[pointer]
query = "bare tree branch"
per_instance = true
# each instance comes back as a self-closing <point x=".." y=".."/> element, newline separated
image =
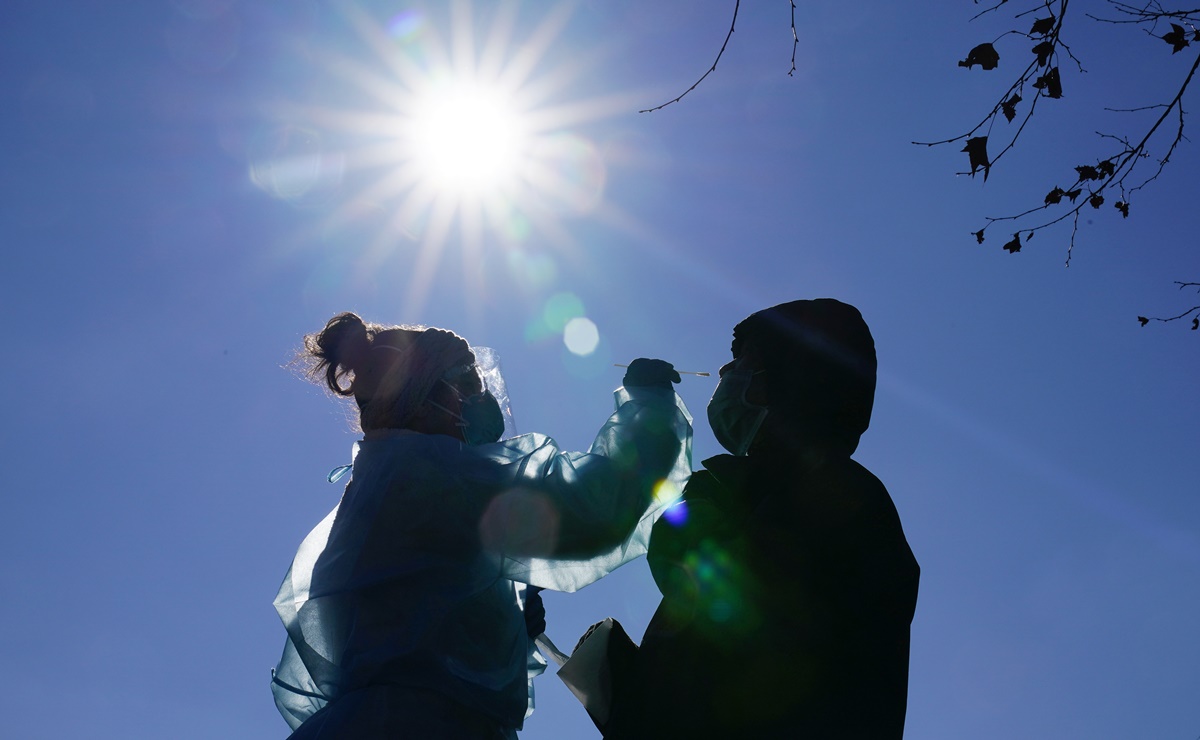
<point x="1046" y="52"/>
<point x="732" y="23"/>
<point x="1091" y="181"/>
<point x="1141" y="15"/>
<point x="795" y="39"/>
<point x="985" y="11"/>
<point x="1120" y="167"/>
<point x="1193" y="310"/>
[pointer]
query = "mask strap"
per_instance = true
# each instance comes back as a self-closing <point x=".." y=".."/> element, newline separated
<point x="461" y="421"/>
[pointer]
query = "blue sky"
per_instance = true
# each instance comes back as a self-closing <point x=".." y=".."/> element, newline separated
<point x="188" y="187"/>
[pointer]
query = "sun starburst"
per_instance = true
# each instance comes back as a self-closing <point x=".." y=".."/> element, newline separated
<point x="462" y="141"/>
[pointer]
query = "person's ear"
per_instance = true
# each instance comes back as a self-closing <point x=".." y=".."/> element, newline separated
<point x="751" y="357"/>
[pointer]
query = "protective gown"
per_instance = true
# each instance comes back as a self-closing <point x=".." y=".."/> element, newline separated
<point x="403" y="607"/>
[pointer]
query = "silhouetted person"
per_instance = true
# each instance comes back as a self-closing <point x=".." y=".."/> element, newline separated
<point x="788" y="587"/>
<point x="403" y="607"/>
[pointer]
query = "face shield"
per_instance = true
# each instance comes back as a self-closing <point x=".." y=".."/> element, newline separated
<point x="487" y="362"/>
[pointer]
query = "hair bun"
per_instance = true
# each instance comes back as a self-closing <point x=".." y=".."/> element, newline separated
<point x="339" y="349"/>
<point x="354" y="343"/>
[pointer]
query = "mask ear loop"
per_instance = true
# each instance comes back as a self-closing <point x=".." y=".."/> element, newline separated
<point x="762" y="412"/>
<point x="462" y="423"/>
<point x="755" y="427"/>
<point x="453" y="372"/>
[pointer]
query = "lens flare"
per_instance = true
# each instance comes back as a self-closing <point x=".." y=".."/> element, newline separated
<point x="290" y="163"/>
<point x="405" y="24"/>
<point x="666" y="492"/>
<point x="676" y="515"/>
<point x="581" y="336"/>
<point x="519" y="520"/>
<point x="721" y="585"/>
<point x="559" y="310"/>
<point x="531" y="270"/>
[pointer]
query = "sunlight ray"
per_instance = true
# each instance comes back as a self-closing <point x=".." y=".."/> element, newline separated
<point x="420" y="284"/>
<point x="462" y="40"/>
<point x="592" y="109"/>
<point x="401" y="180"/>
<point x="475" y="293"/>
<point x="403" y="66"/>
<point x="523" y="64"/>
<point x="499" y="39"/>
<point x="365" y="78"/>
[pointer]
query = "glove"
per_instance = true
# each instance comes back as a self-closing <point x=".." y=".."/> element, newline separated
<point x="586" y="635"/>
<point x="650" y="373"/>
<point x="535" y="612"/>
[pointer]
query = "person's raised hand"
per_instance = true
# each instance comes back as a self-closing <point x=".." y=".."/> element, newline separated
<point x="650" y="373"/>
<point x="535" y="612"/>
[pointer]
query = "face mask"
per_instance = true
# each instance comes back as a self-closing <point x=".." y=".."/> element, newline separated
<point x="479" y="417"/>
<point x="734" y="421"/>
<point x="483" y="420"/>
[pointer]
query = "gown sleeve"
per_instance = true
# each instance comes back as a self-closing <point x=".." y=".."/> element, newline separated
<point x="601" y="504"/>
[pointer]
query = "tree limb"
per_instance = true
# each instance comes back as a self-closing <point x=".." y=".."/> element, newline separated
<point x="795" y="39"/>
<point x="733" y="22"/>
<point x="1193" y="310"/>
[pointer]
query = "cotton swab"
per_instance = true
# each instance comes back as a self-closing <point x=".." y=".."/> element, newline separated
<point x="681" y="372"/>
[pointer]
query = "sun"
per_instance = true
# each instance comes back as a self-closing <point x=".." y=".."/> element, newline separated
<point x="468" y="140"/>
<point x="464" y="129"/>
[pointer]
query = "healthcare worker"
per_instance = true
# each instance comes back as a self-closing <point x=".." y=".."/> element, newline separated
<point x="788" y="587"/>
<point x="403" y="607"/>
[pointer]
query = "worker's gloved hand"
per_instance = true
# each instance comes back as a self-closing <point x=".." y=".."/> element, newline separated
<point x="586" y="635"/>
<point x="535" y="612"/>
<point x="651" y="373"/>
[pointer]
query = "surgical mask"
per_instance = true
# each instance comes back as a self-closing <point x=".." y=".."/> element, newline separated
<point x="735" y="421"/>
<point x="479" y="416"/>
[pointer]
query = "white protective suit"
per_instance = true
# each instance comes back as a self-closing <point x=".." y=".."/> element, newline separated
<point x="394" y="588"/>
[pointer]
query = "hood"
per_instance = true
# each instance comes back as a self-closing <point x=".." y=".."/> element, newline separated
<point x="820" y="361"/>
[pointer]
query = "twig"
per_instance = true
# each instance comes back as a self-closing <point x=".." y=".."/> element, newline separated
<point x="1183" y="315"/>
<point x="1136" y="110"/>
<point x="733" y="22"/>
<point x="795" y="39"/>
<point x="1143" y="15"/>
<point x="987" y="10"/>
